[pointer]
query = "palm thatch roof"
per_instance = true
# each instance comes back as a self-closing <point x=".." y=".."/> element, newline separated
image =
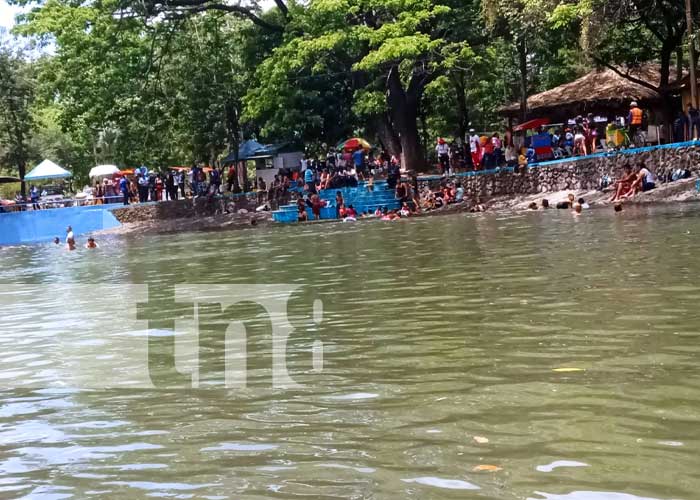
<point x="599" y="87"/>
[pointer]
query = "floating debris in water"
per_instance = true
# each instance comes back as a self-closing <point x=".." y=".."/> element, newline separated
<point x="560" y="463"/>
<point x="487" y="468"/>
<point x="450" y="484"/>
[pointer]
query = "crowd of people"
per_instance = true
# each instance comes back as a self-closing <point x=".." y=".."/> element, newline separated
<point x="145" y="185"/>
<point x="411" y="200"/>
<point x="686" y="126"/>
<point x="579" y="136"/>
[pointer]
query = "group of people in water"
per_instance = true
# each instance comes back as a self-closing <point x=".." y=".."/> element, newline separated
<point x="576" y="206"/>
<point x="70" y="241"/>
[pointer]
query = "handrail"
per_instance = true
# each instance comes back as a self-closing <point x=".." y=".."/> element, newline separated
<point x="82" y="202"/>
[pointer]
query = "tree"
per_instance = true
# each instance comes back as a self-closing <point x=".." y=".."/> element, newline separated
<point x="367" y="48"/>
<point x="16" y="95"/>
<point x="163" y="92"/>
<point x="622" y="35"/>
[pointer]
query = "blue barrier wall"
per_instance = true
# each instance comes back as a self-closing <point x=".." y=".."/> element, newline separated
<point x="35" y="226"/>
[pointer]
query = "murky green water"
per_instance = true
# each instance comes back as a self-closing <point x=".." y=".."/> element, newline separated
<point x="571" y="344"/>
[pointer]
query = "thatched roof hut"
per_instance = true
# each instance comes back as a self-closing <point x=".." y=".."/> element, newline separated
<point x="602" y="92"/>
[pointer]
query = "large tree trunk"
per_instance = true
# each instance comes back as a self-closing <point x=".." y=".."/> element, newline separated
<point x="522" y="66"/>
<point x="387" y="135"/>
<point x="462" y="111"/>
<point x="667" y="50"/>
<point x="22" y="167"/>
<point x="403" y="109"/>
<point x="233" y="140"/>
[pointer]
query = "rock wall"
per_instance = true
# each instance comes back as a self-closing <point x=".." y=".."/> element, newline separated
<point x="578" y="174"/>
<point x="183" y="209"/>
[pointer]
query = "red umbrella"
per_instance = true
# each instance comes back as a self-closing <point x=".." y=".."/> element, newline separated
<point x="355" y="143"/>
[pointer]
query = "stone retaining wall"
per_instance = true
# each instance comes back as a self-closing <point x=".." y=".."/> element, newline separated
<point x="578" y="174"/>
<point x="182" y="209"/>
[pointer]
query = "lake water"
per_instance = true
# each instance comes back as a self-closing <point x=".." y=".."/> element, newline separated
<point x="533" y="356"/>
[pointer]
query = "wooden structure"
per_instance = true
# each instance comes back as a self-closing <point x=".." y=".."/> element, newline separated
<point x="602" y="92"/>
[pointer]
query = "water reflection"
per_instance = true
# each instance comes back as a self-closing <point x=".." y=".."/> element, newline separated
<point x="571" y="346"/>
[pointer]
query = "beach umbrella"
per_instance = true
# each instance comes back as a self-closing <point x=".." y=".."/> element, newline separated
<point x="47" y="170"/>
<point x="355" y="143"/>
<point x="103" y="171"/>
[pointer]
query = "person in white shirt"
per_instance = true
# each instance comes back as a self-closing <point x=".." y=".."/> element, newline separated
<point x="70" y="240"/>
<point x="475" y="147"/>
<point x="645" y="180"/>
<point x="442" y="150"/>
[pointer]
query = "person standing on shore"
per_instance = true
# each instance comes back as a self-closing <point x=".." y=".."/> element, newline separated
<point x="680" y="127"/>
<point x="124" y="189"/>
<point x="143" y="183"/>
<point x="181" y="183"/>
<point x="693" y="122"/>
<point x="475" y="149"/>
<point x="170" y="186"/>
<point x="442" y="150"/>
<point x="309" y="180"/>
<point x="635" y="119"/>
<point x="34" y="195"/>
<point x="195" y="183"/>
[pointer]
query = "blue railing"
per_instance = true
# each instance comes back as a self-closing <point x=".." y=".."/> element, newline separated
<point x="606" y="154"/>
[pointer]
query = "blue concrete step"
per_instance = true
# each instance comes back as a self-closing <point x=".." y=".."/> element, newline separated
<point x="359" y="197"/>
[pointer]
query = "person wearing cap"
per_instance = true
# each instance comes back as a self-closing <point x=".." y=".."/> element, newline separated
<point x="635" y="119"/>
<point x="443" y="154"/>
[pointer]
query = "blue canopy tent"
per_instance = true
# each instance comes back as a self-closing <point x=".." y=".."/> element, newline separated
<point x="246" y="151"/>
<point x="47" y="170"/>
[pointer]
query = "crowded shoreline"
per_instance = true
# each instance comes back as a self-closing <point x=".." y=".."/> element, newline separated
<point x="683" y="191"/>
<point x="598" y="181"/>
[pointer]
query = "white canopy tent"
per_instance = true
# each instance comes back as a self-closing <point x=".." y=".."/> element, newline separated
<point x="47" y="170"/>
<point x="103" y="171"/>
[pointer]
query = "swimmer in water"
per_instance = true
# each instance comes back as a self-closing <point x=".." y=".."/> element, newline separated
<point x="56" y="241"/>
<point x="91" y="243"/>
<point x="577" y="209"/>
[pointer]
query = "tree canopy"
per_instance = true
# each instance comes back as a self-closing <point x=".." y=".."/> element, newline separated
<point x="168" y="82"/>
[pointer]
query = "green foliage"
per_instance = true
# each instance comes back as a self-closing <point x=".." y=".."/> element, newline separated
<point x="16" y="96"/>
<point x="127" y="84"/>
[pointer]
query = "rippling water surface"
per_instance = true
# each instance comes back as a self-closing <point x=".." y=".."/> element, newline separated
<point x="537" y="356"/>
